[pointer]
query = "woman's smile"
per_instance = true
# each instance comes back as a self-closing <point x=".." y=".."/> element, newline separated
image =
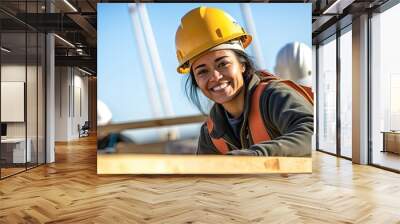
<point x="220" y="87"/>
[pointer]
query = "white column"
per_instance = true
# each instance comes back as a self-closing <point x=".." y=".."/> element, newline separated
<point x="50" y="98"/>
<point x="360" y="90"/>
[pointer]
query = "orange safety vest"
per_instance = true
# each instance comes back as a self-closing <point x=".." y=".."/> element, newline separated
<point x="258" y="130"/>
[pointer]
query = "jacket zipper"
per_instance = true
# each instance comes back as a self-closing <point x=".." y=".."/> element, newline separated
<point x="243" y="143"/>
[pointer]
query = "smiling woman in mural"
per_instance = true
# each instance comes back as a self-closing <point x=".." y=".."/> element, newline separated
<point x="254" y="112"/>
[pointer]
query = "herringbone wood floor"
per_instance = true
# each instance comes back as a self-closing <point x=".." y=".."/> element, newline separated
<point x="70" y="191"/>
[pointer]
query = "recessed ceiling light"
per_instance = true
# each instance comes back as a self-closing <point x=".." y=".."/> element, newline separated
<point x="71" y="6"/>
<point x="5" y="50"/>
<point x="84" y="71"/>
<point x="64" y="40"/>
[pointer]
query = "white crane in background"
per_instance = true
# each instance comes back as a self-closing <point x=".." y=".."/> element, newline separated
<point x="251" y="29"/>
<point x="150" y="80"/>
<point x="155" y="76"/>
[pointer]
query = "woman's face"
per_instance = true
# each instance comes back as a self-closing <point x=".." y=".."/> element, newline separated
<point x="219" y="75"/>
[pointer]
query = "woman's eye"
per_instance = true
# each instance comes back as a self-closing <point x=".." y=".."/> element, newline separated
<point x="223" y="64"/>
<point x="202" y="72"/>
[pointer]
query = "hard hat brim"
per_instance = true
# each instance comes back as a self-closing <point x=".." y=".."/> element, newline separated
<point x="184" y="68"/>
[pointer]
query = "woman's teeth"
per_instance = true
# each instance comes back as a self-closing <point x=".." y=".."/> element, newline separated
<point x="219" y="87"/>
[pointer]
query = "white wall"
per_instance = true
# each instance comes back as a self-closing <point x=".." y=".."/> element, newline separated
<point x="71" y="103"/>
<point x="61" y="103"/>
<point x="17" y="73"/>
<point x="80" y="110"/>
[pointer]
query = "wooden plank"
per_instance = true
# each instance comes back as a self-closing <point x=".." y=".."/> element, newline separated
<point x="207" y="164"/>
<point x="118" y="127"/>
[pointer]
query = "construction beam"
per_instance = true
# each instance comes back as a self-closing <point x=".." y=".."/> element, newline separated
<point x="337" y="7"/>
<point x="116" y="128"/>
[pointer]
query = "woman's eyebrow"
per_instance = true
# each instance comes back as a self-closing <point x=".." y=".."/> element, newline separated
<point x="216" y="60"/>
<point x="220" y="58"/>
<point x="202" y="65"/>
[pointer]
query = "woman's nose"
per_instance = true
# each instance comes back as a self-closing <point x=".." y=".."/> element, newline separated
<point x="215" y="76"/>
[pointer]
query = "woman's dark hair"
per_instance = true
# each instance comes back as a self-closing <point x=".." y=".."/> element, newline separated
<point x="192" y="89"/>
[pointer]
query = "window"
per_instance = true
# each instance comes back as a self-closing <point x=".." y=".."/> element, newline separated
<point x="22" y="77"/>
<point x="385" y="88"/>
<point x="327" y="96"/>
<point x="346" y="92"/>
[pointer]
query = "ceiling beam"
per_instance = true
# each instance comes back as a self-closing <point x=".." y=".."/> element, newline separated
<point x="83" y="61"/>
<point x="84" y="24"/>
<point x="337" y="7"/>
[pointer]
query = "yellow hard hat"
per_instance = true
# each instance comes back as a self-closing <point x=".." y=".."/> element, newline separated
<point x="204" y="28"/>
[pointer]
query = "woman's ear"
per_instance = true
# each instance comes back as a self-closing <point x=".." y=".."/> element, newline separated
<point x="242" y="67"/>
